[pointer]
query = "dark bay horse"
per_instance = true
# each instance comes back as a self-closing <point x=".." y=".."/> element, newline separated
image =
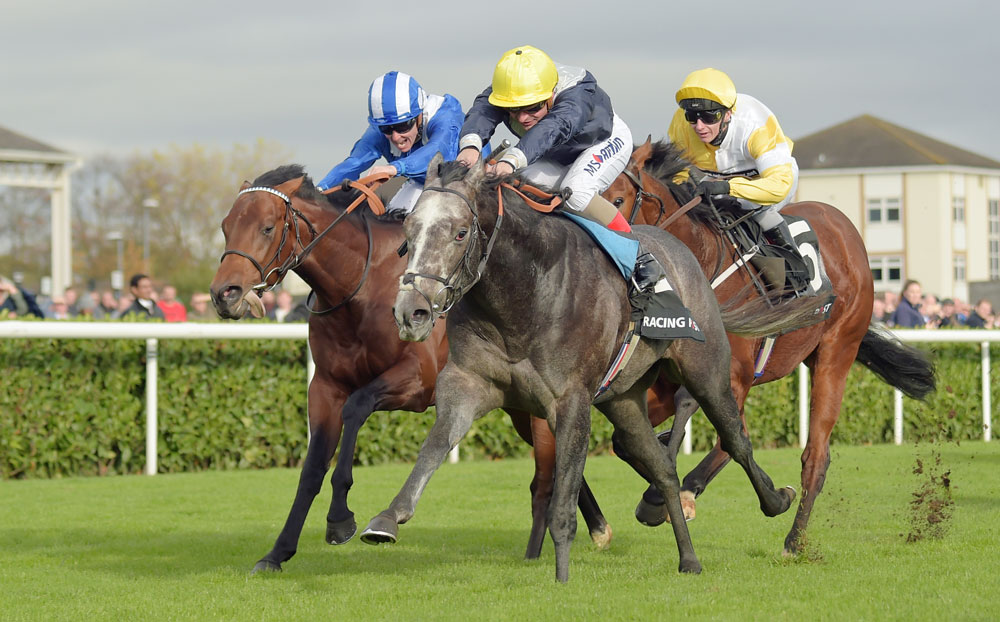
<point x="520" y="290"/>
<point x="827" y="348"/>
<point x="361" y="365"/>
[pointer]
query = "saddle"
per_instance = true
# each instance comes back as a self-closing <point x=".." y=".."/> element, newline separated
<point x="786" y="274"/>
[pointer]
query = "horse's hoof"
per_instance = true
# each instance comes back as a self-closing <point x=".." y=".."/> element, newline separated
<point x="382" y="529"/>
<point x="790" y="493"/>
<point x="690" y="566"/>
<point x="688" y="503"/>
<point x="340" y="532"/>
<point x="650" y="515"/>
<point x="602" y="538"/>
<point x="265" y="565"/>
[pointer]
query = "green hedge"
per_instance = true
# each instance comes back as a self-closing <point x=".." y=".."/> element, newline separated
<point x="76" y="407"/>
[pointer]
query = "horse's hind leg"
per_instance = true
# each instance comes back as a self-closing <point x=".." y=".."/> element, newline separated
<point x="830" y="370"/>
<point x="635" y="434"/>
<point x="707" y="378"/>
<point x="462" y="398"/>
<point x="325" y="402"/>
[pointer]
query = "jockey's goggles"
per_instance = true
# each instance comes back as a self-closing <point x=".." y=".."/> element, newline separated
<point x="708" y="117"/>
<point x="400" y="128"/>
<point x="530" y="109"/>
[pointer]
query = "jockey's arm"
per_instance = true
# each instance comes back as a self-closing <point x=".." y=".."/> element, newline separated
<point x="363" y="154"/>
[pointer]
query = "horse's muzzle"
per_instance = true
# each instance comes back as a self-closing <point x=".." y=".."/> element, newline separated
<point x="228" y="301"/>
<point x="413" y="317"/>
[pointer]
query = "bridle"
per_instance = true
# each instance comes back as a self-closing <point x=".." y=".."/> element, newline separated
<point x="640" y="194"/>
<point x="291" y="221"/>
<point x="451" y="286"/>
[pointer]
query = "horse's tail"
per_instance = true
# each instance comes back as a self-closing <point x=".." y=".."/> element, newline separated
<point x="902" y="366"/>
<point x="756" y="318"/>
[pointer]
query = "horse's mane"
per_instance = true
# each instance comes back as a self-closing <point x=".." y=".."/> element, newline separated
<point x="666" y="161"/>
<point x="307" y="190"/>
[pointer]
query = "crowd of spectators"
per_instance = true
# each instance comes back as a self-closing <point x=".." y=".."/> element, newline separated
<point x="912" y="308"/>
<point x="141" y="300"/>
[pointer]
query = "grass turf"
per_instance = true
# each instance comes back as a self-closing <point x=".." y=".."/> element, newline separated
<point x="179" y="547"/>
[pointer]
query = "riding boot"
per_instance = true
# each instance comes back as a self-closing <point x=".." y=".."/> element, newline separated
<point x="781" y="236"/>
<point x="648" y="278"/>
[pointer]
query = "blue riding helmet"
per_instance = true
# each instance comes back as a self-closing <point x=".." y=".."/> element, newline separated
<point x="393" y="98"/>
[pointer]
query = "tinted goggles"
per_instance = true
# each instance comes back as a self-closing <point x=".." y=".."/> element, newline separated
<point x="708" y="117"/>
<point x="400" y="128"/>
<point x="532" y="109"/>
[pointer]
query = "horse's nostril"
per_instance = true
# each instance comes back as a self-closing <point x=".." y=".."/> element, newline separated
<point x="419" y="317"/>
<point x="232" y="292"/>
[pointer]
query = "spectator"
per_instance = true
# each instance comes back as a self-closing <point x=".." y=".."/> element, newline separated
<point x="107" y="306"/>
<point x="173" y="309"/>
<point x="931" y="310"/>
<point x="16" y="301"/>
<point x="58" y="309"/>
<point x="878" y="310"/>
<point x="201" y="308"/>
<point x="981" y="316"/>
<point x="283" y="306"/>
<point x="144" y="307"/>
<point x="948" y="317"/>
<point x="86" y="305"/>
<point x="72" y="300"/>
<point x="908" y="314"/>
<point x="891" y="302"/>
<point x="268" y="299"/>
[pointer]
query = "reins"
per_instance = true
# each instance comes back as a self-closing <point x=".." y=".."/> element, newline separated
<point x="366" y="186"/>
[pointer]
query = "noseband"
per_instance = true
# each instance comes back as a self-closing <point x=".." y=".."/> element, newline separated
<point x="451" y="288"/>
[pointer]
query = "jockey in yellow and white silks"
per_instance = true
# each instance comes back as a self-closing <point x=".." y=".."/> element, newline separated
<point x="726" y="133"/>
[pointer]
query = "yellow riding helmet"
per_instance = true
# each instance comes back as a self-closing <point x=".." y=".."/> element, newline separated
<point x="710" y="84"/>
<point x="524" y="76"/>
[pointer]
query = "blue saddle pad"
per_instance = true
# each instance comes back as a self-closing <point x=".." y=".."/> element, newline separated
<point x="622" y="250"/>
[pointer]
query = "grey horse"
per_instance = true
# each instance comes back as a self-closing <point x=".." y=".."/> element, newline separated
<point x="536" y="313"/>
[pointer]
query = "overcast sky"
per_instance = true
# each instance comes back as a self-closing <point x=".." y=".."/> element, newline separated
<point x="110" y="76"/>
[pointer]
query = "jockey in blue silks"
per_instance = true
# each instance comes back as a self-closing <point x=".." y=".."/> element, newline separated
<point x="406" y="126"/>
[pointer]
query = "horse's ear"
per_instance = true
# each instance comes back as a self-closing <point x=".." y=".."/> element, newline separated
<point x="246" y="184"/>
<point x="290" y="187"/>
<point x="476" y="173"/>
<point x="649" y="140"/>
<point x="432" y="169"/>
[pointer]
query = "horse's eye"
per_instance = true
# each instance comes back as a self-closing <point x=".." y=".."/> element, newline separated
<point x="461" y="235"/>
<point x="268" y="230"/>
<point x="619" y="202"/>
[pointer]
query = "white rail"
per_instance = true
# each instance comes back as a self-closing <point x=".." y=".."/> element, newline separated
<point x="153" y="331"/>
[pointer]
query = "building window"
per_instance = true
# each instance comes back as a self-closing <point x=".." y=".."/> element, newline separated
<point x="885" y="210"/>
<point x="887" y="272"/>
<point x="958" y="268"/>
<point x="958" y="209"/>
<point x="993" y="209"/>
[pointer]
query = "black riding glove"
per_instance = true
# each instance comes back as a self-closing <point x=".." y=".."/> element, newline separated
<point x="712" y="187"/>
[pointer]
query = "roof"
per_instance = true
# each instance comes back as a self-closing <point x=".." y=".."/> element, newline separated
<point x="869" y="142"/>
<point x="12" y="141"/>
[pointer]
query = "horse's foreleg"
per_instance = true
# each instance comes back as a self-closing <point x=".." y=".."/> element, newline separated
<point x="827" y="393"/>
<point x="340" y="524"/>
<point x="461" y="398"/>
<point x="325" y="402"/>
<point x="572" y="436"/>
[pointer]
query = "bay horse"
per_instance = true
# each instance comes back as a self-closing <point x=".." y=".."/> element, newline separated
<point x="827" y="348"/>
<point x="520" y="289"/>
<point x="281" y="222"/>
